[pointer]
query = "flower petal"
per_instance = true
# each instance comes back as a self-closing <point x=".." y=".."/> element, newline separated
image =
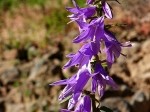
<point x="87" y="104"/>
<point x="107" y="10"/>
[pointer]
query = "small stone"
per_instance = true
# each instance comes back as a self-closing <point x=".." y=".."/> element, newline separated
<point x="9" y="74"/>
<point x="139" y="102"/>
<point x="138" y="97"/>
<point x="146" y="46"/>
<point x="39" y="67"/>
<point x="132" y="35"/>
<point x="117" y="104"/>
<point x="10" y="54"/>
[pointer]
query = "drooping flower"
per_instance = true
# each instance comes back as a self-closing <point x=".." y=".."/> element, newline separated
<point x="83" y="55"/>
<point x="70" y="85"/>
<point x="92" y="33"/>
<point x="100" y="79"/>
<point x="113" y="51"/>
<point x="113" y="47"/>
<point x="74" y="86"/>
<point x="81" y="13"/>
<point x="83" y="105"/>
<point x="93" y="30"/>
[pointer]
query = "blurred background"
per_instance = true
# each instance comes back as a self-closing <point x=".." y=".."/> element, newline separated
<point x="34" y="39"/>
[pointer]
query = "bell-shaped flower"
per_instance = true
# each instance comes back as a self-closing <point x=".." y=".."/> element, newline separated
<point x="74" y="86"/>
<point x="113" y="51"/>
<point x="113" y="47"/>
<point x="83" y="55"/>
<point x="100" y="79"/>
<point x="81" y="13"/>
<point x="70" y="86"/>
<point x="83" y="105"/>
<point x="93" y="30"/>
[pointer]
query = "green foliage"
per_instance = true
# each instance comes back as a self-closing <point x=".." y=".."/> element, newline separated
<point x="27" y="92"/>
<point x="56" y="21"/>
<point x="53" y="19"/>
<point x="16" y="84"/>
<point x="81" y="2"/>
<point x="36" y="2"/>
<point x="10" y="4"/>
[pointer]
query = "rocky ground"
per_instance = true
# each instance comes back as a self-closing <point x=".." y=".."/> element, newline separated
<point x="26" y="71"/>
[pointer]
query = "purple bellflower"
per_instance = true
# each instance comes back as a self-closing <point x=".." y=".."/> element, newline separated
<point x="100" y="79"/>
<point x="113" y="51"/>
<point x="93" y="30"/>
<point x="81" y="13"/>
<point x="84" y="55"/>
<point x="83" y="105"/>
<point x="74" y="86"/>
<point x="113" y="47"/>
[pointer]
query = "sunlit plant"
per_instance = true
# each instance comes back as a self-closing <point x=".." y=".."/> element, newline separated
<point x="93" y="35"/>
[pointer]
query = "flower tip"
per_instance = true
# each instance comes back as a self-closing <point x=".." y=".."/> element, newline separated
<point x="74" y="41"/>
<point x="51" y="84"/>
<point x="65" y="66"/>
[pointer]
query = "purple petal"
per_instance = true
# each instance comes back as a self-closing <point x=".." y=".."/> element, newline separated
<point x="101" y="88"/>
<point x="111" y="82"/>
<point x="95" y="46"/>
<point x="70" y="55"/>
<point x="66" y="81"/>
<point x="73" y="61"/>
<point x="87" y="104"/>
<point x="75" y="4"/>
<point x="82" y="80"/>
<point x="82" y="25"/>
<point x="65" y="110"/>
<point x="73" y="10"/>
<point x="83" y="36"/>
<point x="84" y="105"/>
<point x="84" y="54"/>
<point x="107" y="10"/>
<point x="99" y="34"/>
<point x="108" y="36"/>
<point x="90" y="1"/>
<point x="89" y="11"/>
<point x="68" y="90"/>
<point x="71" y="103"/>
<point x="94" y="85"/>
<point x="84" y="60"/>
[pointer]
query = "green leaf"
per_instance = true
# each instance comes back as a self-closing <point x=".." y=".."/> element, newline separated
<point x="105" y="109"/>
<point x="67" y="98"/>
